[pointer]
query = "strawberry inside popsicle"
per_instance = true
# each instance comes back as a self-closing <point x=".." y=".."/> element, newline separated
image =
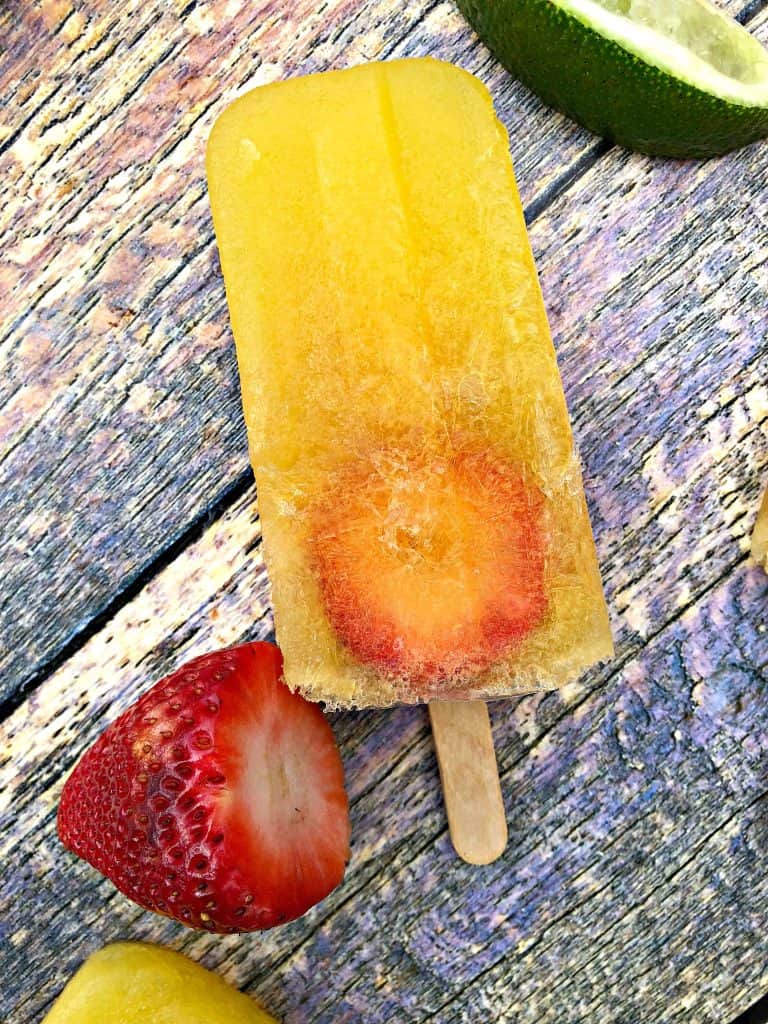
<point x="431" y="565"/>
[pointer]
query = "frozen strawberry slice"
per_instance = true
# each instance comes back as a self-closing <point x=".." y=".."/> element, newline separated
<point x="217" y="799"/>
<point x="430" y="566"/>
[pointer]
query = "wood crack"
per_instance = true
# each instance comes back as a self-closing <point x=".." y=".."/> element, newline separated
<point x="226" y="497"/>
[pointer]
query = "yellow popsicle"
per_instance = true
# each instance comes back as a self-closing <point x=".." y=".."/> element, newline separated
<point x="422" y="508"/>
<point x="136" y="983"/>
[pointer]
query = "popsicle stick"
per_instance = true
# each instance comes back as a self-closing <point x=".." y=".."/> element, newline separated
<point x="470" y="778"/>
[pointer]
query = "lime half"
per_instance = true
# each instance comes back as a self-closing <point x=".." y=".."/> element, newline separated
<point x="672" y="77"/>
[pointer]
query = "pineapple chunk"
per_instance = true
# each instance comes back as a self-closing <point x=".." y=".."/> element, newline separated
<point x="136" y="983"/>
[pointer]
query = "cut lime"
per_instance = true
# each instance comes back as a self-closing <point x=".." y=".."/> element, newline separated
<point x="672" y="77"/>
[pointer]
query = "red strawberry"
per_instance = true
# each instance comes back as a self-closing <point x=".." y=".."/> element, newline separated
<point x="432" y="566"/>
<point x="217" y="799"/>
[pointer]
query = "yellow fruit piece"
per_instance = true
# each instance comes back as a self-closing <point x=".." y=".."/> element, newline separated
<point x="135" y="983"/>
<point x="760" y="534"/>
<point x="388" y="319"/>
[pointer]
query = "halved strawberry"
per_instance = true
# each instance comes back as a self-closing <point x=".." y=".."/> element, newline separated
<point x="431" y="566"/>
<point x="217" y="799"/>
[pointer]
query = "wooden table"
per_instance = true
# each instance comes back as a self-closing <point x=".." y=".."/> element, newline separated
<point x="635" y="886"/>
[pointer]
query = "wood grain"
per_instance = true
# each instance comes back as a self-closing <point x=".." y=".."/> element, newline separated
<point x="635" y="882"/>
<point x="115" y="344"/>
<point x="637" y="822"/>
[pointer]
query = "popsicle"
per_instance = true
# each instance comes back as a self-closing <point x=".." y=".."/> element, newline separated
<point x="760" y="534"/>
<point x="137" y="983"/>
<point x="423" y="514"/>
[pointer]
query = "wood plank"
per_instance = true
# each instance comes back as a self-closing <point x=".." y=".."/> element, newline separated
<point x="116" y="347"/>
<point x="677" y="326"/>
<point x="621" y="811"/>
<point x="636" y="884"/>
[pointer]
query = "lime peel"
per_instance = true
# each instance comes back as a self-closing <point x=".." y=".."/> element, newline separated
<point x="668" y="77"/>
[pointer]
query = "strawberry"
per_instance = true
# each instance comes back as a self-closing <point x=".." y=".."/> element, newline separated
<point x="216" y="799"/>
<point x="431" y="566"/>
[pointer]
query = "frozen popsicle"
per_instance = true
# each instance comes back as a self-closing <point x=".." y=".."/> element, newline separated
<point x="422" y="507"/>
<point x="760" y="534"/>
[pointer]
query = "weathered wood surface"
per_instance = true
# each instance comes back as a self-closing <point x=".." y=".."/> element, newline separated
<point x="635" y="883"/>
<point x="637" y="819"/>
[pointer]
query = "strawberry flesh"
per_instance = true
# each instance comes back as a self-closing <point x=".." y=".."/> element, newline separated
<point x="217" y="799"/>
<point x="432" y="566"/>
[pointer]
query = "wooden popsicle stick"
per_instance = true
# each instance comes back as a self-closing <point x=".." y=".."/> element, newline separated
<point x="470" y="778"/>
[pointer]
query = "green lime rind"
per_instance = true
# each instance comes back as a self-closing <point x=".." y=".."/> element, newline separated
<point x="605" y="87"/>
